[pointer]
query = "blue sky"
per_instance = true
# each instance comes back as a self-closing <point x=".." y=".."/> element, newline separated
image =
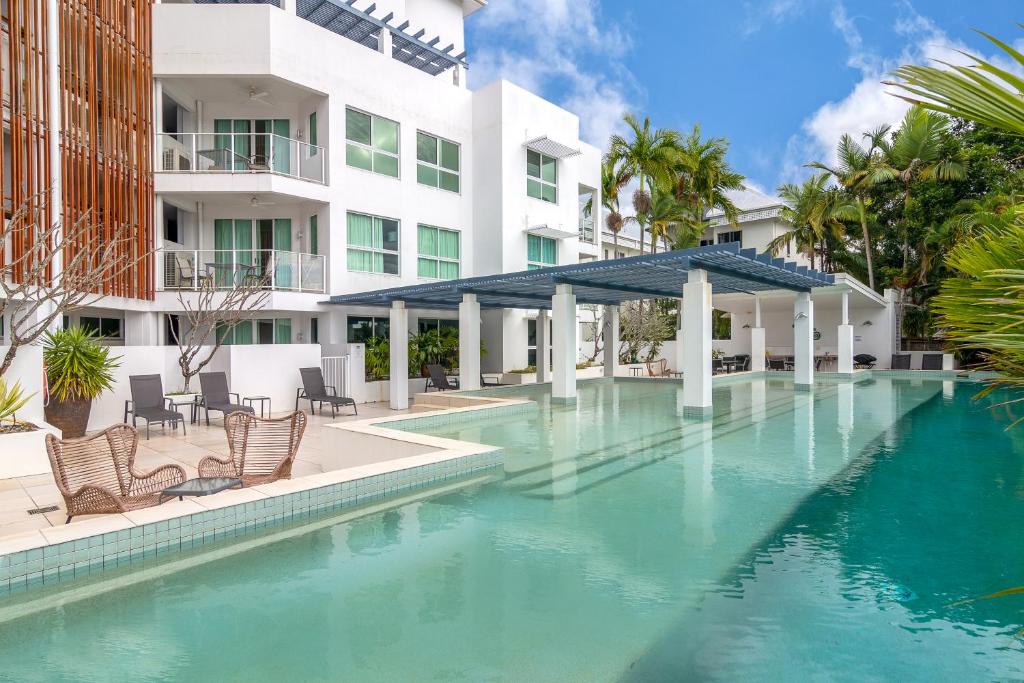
<point x="782" y="79"/>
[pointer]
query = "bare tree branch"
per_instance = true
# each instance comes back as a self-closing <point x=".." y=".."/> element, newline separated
<point x="50" y="269"/>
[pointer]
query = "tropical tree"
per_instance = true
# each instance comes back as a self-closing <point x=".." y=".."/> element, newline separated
<point x="612" y="181"/>
<point x="815" y="211"/>
<point x="857" y="169"/>
<point x="704" y="177"/>
<point x="648" y="156"/>
<point x="668" y="217"/>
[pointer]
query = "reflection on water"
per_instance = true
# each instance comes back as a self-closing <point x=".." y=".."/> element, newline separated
<point x="795" y="535"/>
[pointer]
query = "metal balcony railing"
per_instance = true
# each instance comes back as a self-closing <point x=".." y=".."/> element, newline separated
<point x="241" y="153"/>
<point x="587" y="230"/>
<point x="289" y="271"/>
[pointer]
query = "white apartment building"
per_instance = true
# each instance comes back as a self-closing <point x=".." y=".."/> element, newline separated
<point x="336" y="146"/>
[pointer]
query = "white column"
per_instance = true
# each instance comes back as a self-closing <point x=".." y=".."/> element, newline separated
<point x="543" y="346"/>
<point x="399" y="342"/>
<point x="757" y="348"/>
<point x="697" y="333"/>
<point x="679" y="355"/>
<point x="141" y="328"/>
<point x="803" y="341"/>
<point x="611" y="340"/>
<point x="469" y="342"/>
<point x="563" y="314"/>
<point x="845" y="360"/>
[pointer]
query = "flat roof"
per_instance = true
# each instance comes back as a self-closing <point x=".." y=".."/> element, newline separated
<point x="610" y="282"/>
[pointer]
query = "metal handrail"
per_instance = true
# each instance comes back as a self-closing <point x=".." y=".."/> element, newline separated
<point x="234" y="153"/>
<point x="190" y="268"/>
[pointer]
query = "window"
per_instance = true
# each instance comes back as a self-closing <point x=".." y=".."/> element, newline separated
<point x="102" y="327"/>
<point x="262" y="331"/>
<point x="314" y="238"/>
<point x="372" y="143"/>
<point x="372" y="244"/>
<point x="706" y="243"/>
<point x="541" y="177"/>
<point x="540" y="252"/>
<point x="438" y="253"/>
<point x="437" y="162"/>
<point x="734" y="236"/>
<point x="360" y="329"/>
<point x="437" y="324"/>
<point x="721" y="325"/>
<point x="531" y="342"/>
<point x="314" y="330"/>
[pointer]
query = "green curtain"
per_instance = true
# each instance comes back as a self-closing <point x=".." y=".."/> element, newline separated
<point x="361" y="230"/>
<point x="426" y="148"/>
<point x="533" y="248"/>
<point x="243" y="332"/>
<point x="222" y="129"/>
<point x="283" y="331"/>
<point x="448" y="244"/>
<point x="448" y="270"/>
<point x="243" y="241"/>
<point x="281" y="146"/>
<point x="223" y="243"/>
<point x="359" y="260"/>
<point x="314" y="245"/>
<point x="283" y="243"/>
<point x="541" y="250"/>
<point x="243" y="152"/>
<point x="426" y="267"/>
<point x="548" y="251"/>
<point x="427" y="240"/>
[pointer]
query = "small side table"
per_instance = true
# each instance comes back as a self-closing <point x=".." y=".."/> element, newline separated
<point x="635" y="371"/>
<point x="193" y="405"/>
<point x="250" y="400"/>
<point x="200" y="486"/>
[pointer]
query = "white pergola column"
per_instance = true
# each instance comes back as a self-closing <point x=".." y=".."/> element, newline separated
<point x="757" y="348"/>
<point x="803" y="341"/>
<point x="543" y="346"/>
<point x="845" y="345"/>
<point x="469" y="342"/>
<point x="399" y="342"/>
<point x="697" y="334"/>
<point x="563" y="315"/>
<point x="611" y="340"/>
<point x="679" y="355"/>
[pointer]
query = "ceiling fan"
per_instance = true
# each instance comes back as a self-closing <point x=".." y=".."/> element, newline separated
<point x="256" y="203"/>
<point x="260" y="96"/>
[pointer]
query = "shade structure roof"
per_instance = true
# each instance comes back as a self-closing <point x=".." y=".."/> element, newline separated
<point x="551" y="148"/>
<point x="614" y="281"/>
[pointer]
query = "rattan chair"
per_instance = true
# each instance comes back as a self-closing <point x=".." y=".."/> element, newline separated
<point x="96" y="474"/>
<point x="262" y="449"/>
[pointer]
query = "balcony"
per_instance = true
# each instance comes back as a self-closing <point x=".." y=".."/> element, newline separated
<point x="587" y="229"/>
<point x="241" y="153"/>
<point x="283" y="271"/>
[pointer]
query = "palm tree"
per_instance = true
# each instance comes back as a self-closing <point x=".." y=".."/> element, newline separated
<point x="814" y="210"/>
<point x="704" y="176"/>
<point x="650" y="157"/>
<point x="917" y="153"/>
<point x="857" y="168"/>
<point x="612" y="181"/>
<point x="668" y="216"/>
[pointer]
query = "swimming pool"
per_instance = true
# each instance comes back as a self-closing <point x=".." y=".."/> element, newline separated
<point x="796" y="534"/>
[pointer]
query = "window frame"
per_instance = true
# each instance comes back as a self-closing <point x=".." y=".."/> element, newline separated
<point x="437" y="259"/>
<point x="536" y="265"/>
<point x="384" y="321"/>
<point x="728" y="235"/>
<point x="437" y="166"/>
<point x="374" y="250"/>
<point x="374" y="150"/>
<point x="98" y="329"/>
<point x="540" y="178"/>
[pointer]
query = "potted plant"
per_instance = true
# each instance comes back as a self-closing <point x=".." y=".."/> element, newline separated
<point x="78" y="369"/>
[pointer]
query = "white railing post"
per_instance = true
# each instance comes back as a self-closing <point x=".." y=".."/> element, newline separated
<point x="195" y="269"/>
<point x="273" y="269"/>
<point x="195" y="154"/>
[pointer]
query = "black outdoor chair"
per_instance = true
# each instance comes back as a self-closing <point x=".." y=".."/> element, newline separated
<point x="315" y="391"/>
<point x="776" y="363"/>
<point x="439" y="380"/>
<point x="147" y="402"/>
<point x="216" y="396"/>
<point x="900" y="361"/>
<point x="742" y="362"/>
<point x="864" y="361"/>
<point x="931" y="361"/>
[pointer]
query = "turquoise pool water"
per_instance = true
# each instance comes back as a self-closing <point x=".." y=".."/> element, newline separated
<point x="795" y="536"/>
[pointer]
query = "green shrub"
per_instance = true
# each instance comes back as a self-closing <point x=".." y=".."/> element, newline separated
<point x="77" y="367"/>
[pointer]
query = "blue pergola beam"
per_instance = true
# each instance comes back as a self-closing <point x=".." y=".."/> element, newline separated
<point x="730" y="272"/>
<point x="611" y="286"/>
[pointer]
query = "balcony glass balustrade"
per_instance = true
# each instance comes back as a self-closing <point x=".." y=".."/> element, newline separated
<point x="190" y="269"/>
<point x="241" y="153"/>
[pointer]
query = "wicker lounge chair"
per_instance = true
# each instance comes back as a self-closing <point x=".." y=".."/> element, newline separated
<point x="261" y="449"/>
<point x="147" y="402"/>
<point x="216" y="396"/>
<point x="439" y="380"/>
<point x="315" y="391"/>
<point x="96" y="474"/>
<point x="931" y="361"/>
<point x="900" y="361"/>
<point x="657" y="368"/>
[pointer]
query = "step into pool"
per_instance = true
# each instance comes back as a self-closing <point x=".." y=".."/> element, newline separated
<point x="842" y="533"/>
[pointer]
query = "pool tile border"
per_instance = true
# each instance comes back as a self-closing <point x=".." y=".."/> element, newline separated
<point x="66" y="553"/>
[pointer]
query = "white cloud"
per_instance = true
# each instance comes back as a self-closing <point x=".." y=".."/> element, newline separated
<point x="870" y="103"/>
<point x="540" y="45"/>
<point x="772" y="12"/>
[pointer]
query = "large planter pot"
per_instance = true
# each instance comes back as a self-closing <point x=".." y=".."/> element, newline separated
<point x="71" y="417"/>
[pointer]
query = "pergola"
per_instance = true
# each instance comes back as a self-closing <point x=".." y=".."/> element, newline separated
<point x="689" y="274"/>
